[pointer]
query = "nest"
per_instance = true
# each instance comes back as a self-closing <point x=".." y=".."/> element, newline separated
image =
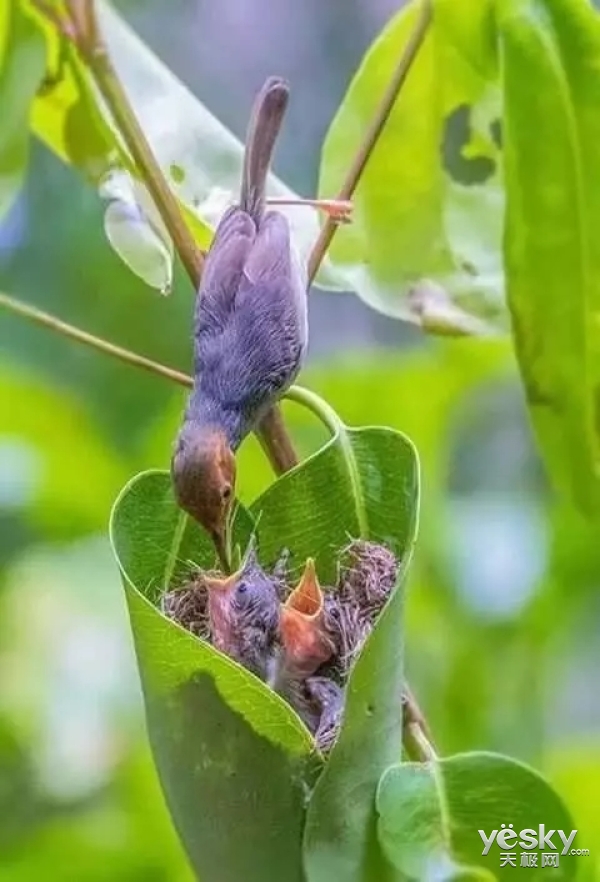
<point x="367" y="575"/>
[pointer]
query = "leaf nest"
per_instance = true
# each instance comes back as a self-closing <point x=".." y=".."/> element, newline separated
<point x="302" y="641"/>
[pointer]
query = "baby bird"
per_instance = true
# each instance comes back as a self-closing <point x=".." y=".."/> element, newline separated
<point x="250" y="330"/>
<point x="243" y="615"/>
<point x="306" y="641"/>
<point x="327" y="701"/>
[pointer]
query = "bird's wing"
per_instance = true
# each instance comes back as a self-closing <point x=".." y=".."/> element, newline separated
<point x="269" y="260"/>
<point x="270" y="312"/>
<point x="222" y="271"/>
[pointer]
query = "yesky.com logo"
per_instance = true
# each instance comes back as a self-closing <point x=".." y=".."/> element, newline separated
<point x="544" y="840"/>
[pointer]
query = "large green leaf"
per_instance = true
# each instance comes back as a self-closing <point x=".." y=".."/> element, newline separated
<point x="365" y="482"/>
<point x="232" y="756"/>
<point x="201" y="159"/>
<point x="430" y="818"/>
<point x="429" y="205"/>
<point x="21" y="71"/>
<point x="206" y="715"/>
<point x="551" y="80"/>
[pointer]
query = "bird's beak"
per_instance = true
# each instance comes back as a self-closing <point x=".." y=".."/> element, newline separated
<point x="218" y="537"/>
<point x="221" y="586"/>
<point x="307" y="597"/>
<point x="303" y="634"/>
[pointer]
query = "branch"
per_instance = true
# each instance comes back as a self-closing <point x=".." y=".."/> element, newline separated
<point x="416" y="736"/>
<point x="373" y="133"/>
<point x="95" y="55"/>
<point x="38" y="317"/>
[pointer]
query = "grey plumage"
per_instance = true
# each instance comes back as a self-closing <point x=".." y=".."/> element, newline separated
<point x="244" y="618"/>
<point x="250" y="329"/>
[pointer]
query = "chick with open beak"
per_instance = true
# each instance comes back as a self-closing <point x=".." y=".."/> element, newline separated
<point x="305" y="638"/>
<point x="243" y="614"/>
<point x="250" y="330"/>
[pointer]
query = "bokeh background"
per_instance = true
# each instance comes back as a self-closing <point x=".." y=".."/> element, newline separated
<point x="503" y="610"/>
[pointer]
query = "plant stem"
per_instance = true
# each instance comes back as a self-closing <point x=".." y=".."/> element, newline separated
<point x="275" y="441"/>
<point x="95" y="54"/>
<point x="373" y="133"/>
<point x="416" y="735"/>
<point x="317" y="405"/>
<point x="38" y="317"/>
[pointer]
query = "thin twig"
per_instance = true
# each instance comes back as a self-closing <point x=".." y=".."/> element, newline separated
<point x="38" y="317"/>
<point x="275" y="441"/>
<point x="373" y="133"/>
<point x="94" y="52"/>
<point x="416" y="735"/>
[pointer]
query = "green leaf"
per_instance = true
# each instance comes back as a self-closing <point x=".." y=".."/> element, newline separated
<point x="21" y="71"/>
<point x="232" y="756"/>
<point x="414" y="828"/>
<point x="430" y="818"/>
<point x="365" y="482"/>
<point x="68" y="119"/>
<point x="551" y="80"/>
<point x="362" y="483"/>
<point x="429" y="204"/>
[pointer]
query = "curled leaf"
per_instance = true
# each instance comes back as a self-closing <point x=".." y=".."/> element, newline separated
<point x="136" y="231"/>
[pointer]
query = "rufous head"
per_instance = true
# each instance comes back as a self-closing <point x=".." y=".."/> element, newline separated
<point x="304" y="636"/>
<point x="203" y="473"/>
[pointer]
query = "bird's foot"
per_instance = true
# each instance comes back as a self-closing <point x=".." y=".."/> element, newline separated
<point x="338" y="210"/>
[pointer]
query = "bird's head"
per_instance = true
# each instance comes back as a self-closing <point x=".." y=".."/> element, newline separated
<point x="244" y="603"/>
<point x="203" y="472"/>
<point x="304" y="636"/>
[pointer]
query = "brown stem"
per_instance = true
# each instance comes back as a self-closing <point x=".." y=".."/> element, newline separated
<point x="272" y="434"/>
<point x="416" y="735"/>
<point x="94" y="52"/>
<point x="373" y="133"/>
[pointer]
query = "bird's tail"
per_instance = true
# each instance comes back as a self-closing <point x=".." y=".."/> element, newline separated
<point x="265" y="122"/>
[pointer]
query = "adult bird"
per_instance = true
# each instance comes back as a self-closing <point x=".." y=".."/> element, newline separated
<point x="250" y="331"/>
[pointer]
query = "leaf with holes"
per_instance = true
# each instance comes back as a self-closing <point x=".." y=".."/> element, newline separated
<point x="425" y="244"/>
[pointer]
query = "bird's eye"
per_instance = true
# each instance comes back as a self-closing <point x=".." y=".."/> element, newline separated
<point x="226" y="493"/>
<point x="242" y="596"/>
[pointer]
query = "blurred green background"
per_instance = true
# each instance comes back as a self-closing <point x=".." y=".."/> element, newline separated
<point x="503" y="608"/>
